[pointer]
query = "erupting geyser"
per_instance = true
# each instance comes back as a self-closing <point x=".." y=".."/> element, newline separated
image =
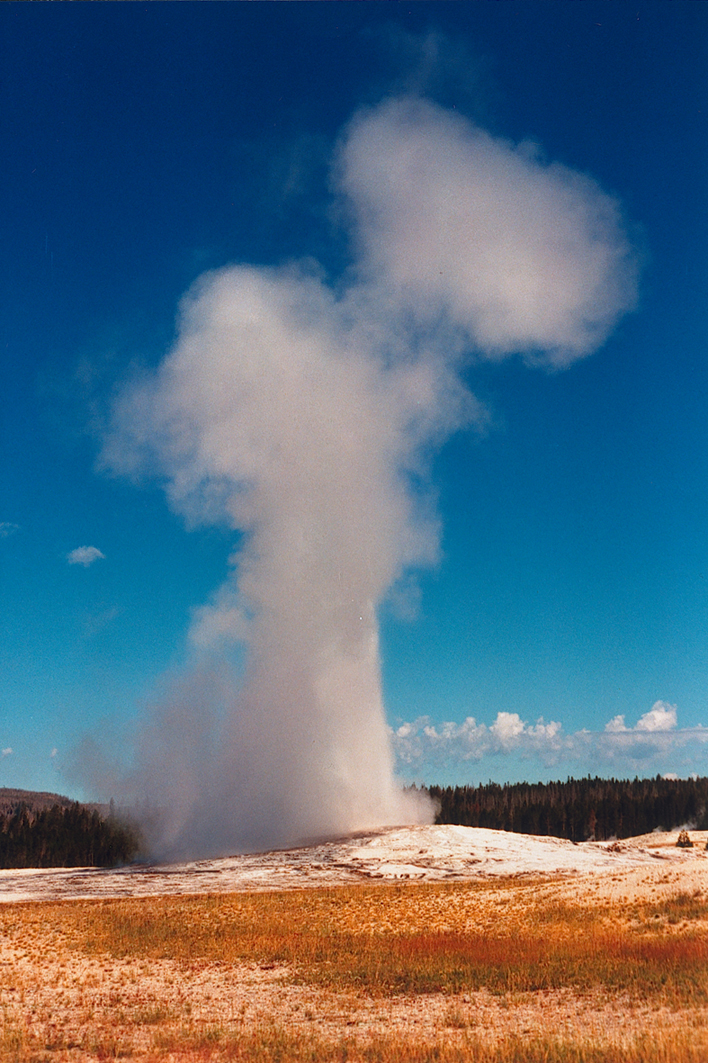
<point x="302" y="413"/>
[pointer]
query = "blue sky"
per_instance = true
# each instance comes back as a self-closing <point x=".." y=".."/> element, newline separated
<point x="145" y="144"/>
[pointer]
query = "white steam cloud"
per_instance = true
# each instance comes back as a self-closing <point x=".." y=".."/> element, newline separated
<point x="303" y="413"/>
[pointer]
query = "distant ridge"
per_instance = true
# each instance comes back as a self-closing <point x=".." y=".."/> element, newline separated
<point x="35" y="800"/>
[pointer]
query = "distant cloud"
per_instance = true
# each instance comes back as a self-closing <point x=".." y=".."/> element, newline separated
<point x="655" y="737"/>
<point x="96" y="622"/>
<point x="661" y="717"/>
<point x="84" y="555"/>
<point x="451" y="743"/>
<point x="7" y="752"/>
<point x="7" y="528"/>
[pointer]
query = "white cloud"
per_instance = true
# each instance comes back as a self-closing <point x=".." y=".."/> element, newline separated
<point x="8" y="751"/>
<point x="84" y="555"/>
<point x="506" y="728"/>
<point x="616" y="725"/>
<point x="7" y="528"/>
<point x="661" y="717"/>
<point x="451" y="743"/>
<point x="655" y="738"/>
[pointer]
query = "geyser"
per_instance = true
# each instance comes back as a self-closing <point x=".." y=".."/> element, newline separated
<point x="302" y="413"/>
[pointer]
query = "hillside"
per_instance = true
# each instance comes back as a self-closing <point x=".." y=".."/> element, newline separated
<point x="39" y="829"/>
<point x="35" y="800"/>
<point x="395" y="854"/>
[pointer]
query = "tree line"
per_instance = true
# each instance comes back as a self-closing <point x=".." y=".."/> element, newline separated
<point x="61" y="836"/>
<point x="75" y="835"/>
<point x="578" y="809"/>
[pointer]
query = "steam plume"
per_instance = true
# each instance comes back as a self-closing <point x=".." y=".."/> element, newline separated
<point x="302" y="413"/>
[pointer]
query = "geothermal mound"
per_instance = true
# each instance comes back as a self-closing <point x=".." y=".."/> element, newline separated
<point x="433" y="853"/>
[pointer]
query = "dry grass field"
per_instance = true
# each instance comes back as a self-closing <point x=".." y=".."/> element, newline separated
<point x="589" y="968"/>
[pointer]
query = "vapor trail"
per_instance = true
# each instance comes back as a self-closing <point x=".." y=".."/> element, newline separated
<point x="302" y="414"/>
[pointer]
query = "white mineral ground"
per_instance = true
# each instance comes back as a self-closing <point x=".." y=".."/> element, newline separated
<point x="433" y="853"/>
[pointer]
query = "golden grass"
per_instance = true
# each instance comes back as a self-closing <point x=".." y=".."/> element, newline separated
<point x="418" y="939"/>
<point x="494" y="973"/>
<point x="275" y="1044"/>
